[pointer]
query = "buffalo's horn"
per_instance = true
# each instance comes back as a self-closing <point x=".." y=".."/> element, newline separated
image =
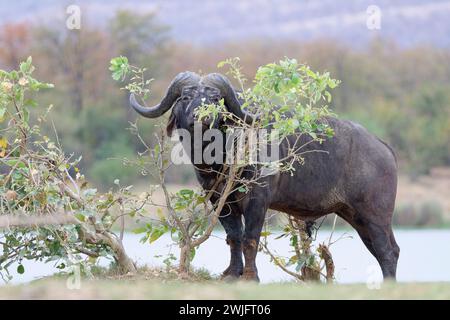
<point x="229" y="94"/>
<point x="173" y="93"/>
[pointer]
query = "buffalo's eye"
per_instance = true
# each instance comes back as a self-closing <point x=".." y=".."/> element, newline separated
<point x="185" y="98"/>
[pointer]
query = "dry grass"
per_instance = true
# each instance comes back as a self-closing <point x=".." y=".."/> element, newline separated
<point x="153" y="289"/>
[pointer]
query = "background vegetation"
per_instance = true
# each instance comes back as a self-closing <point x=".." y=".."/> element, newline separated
<point x="400" y="94"/>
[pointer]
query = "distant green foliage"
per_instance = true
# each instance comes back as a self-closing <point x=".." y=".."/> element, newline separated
<point x="425" y="214"/>
<point x="419" y="131"/>
<point x="400" y="94"/>
<point x="106" y="146"/>
<point x="87" y="102"/>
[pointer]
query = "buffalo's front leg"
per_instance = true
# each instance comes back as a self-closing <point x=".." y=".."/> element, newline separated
<point x="254" y="221"/>
<point x="232" y="223"/>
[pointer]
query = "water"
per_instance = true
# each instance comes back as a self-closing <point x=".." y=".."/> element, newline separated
<point x="424" y="256"/>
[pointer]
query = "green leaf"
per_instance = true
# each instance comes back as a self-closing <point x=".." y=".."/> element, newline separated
<point x="221" y="64"/>
<point x="200" y="200"/>
<point x="61" y="266"/>
<point x="116" y="75"/>
<point x="140" y="230"/>
<point x="30" y="103"/>
<point x="293" y="259"/>
<point x="14" y="75"/>
<point x="20" y="269"/>
<point x="156" y="149"/>
<point x="332" y="83"/>
<point x="80" y="217"/>
<point x="186" y="193"/>
<point x="276" y="87"/>
<point x="26" y="66"/>
<point x="26" y="115"/>
<point x="36" y="85"/>
<point x="155" y="235"/>
<point x="242" y="189"/>
<point x="192" y="254"/>
<point x="119" y="67"/>
<point x="311" y="73"/>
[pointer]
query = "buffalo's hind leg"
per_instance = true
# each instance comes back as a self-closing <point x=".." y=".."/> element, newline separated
<point x="379" y="240"/>
<point x="232" y="223"/>
<point x="384" y="247"/>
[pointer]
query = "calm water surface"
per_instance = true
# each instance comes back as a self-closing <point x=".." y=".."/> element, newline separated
<point x="424" y="256"/>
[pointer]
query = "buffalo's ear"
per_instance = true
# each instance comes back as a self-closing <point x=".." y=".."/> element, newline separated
<point x="171" y="124"/>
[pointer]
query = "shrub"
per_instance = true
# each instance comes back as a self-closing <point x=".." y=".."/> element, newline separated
<point x="47" y="213"/>
<point x="431" y="214"/>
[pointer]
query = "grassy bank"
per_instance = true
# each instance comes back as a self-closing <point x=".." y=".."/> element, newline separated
<point x="158" y="284"/>
<point x="152" y="289"/>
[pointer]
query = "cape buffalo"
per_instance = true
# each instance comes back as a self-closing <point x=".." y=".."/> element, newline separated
<point x="356" y="177"/>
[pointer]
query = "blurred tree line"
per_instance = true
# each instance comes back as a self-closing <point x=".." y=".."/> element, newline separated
<point x="400" y="94"/>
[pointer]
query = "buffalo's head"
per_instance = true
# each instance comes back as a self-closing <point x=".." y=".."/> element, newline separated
<point x="187" y="92"/>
